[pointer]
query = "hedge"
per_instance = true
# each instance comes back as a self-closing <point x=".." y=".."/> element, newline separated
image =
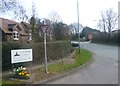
<point x="107" y="38"/>
<point x="55" y="51"/>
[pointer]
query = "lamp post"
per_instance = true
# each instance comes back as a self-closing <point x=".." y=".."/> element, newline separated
<point x="78" y="22"/>
<point x="44" y="27"/>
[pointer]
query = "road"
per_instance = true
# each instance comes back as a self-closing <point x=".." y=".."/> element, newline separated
<point x="103" y="70"/>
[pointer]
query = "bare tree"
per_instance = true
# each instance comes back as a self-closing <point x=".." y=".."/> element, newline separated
<point x="21" y="14"/>
<point x="15" y="7"/>
<point x="74" y="28"/>
<point x="6" y="5"/>
<point x="108" y="20"/>
<point x="102" y="23"/>
<point x="54" y="17"/>
<point x="34" y="10"/>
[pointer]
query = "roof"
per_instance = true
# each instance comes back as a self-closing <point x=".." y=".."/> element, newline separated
<point x="4" y="26"/>
<point x="25" y="26"/>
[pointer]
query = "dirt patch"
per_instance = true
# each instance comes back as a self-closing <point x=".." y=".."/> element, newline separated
<point x="39" y="75"/>
<point x="68" y="61"/>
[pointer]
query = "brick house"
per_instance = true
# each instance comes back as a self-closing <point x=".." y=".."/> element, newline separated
<point x="8" y="27"/>
<point x="90" y="36"/>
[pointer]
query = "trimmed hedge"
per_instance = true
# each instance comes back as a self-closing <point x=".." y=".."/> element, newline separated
<point x="55" y="51"/>
<point x="107" y="38"/>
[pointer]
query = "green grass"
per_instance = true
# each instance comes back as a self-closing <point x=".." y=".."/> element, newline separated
<point x="9" y="83"/>
<point x="80" y="59"/>
<point x="0" y="82"/>
<point x="12" y="82"/>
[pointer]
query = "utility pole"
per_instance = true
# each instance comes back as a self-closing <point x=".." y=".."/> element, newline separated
<point x="78" y="22"/>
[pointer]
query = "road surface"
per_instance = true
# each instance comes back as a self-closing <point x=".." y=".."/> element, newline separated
<point x="103" y="70"/>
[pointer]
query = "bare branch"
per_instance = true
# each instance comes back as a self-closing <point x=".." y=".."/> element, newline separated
<point x="108" y="20"/>
<point x="6" y="5"/>
<point x="14" y="7"/>
<point x="54" y="17"/>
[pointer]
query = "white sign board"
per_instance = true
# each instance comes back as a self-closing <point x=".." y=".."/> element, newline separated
<point x="21" y="55"/>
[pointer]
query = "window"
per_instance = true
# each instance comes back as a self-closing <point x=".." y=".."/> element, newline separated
<point x="16" y="35"/>
<point x="11" y="26"/>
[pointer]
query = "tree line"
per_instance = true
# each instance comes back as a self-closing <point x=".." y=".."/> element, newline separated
<point x="59" y="30"/>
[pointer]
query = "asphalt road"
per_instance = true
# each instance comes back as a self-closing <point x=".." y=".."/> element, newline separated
<point x="103" y="70"/>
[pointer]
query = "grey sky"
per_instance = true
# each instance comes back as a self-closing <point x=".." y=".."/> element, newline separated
<point x="89" y="10"/>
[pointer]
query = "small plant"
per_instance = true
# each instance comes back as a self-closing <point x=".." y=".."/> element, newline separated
<point x="21" y="73"/>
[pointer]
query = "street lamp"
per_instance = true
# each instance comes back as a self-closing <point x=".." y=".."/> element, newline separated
<point x="78" y="22"/>
<point x="44" y="27"/>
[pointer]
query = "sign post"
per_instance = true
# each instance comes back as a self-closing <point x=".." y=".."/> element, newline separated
<point x="44" y="27"/>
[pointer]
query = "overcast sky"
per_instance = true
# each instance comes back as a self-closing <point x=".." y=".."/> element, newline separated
<point x="89" y="10"/>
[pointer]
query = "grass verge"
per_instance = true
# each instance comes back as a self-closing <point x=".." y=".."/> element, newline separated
<point x="80" y="58"/>
<point x="57" y="68"/>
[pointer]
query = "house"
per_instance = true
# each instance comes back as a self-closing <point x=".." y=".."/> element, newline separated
<point x="89" y="33"/>
<point x="21" y="32"/>
<point x="8" y="27"/>
<point x="90" y="36"/>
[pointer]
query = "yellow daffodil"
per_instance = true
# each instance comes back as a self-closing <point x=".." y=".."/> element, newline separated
<point x="22" y="73"/>
<point x="27" y="75"/>
<point x="19" y="73"/>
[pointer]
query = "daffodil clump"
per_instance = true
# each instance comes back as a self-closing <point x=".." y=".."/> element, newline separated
<point x="21" y="72"/>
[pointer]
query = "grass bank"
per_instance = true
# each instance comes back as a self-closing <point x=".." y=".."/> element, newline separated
<point x="80" y="59"/>
<point x="58" y="68"/>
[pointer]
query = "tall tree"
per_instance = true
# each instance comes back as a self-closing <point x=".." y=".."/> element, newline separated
<point x="61" y="31"/>
<point x="108" y="20"/>
<point x="34" y="21"/>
